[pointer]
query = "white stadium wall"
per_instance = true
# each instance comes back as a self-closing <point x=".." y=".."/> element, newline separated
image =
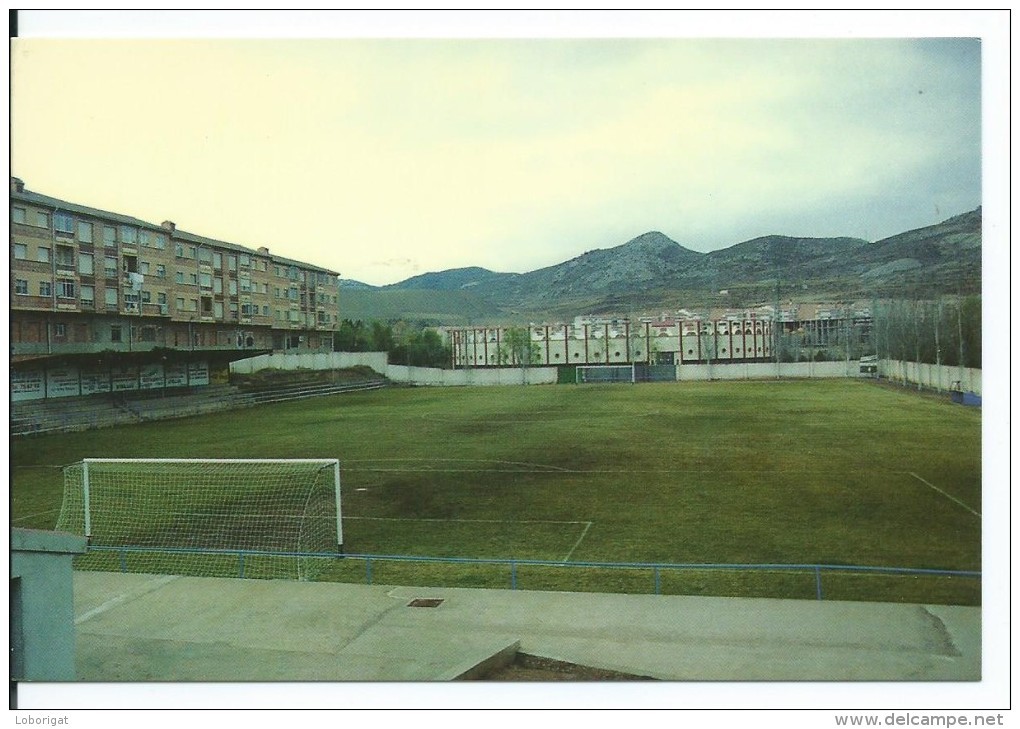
<point x="930" y="376"/>
<point x="933" y="377"/>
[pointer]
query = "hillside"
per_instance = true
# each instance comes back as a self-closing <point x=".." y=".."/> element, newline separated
<point x="653" y="271"/>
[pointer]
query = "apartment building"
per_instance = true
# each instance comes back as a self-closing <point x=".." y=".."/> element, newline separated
<point x="102" y="302"/>
<point x="672" y="340"/>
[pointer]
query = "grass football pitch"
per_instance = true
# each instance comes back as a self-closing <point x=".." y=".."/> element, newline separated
<point x="782" y="473"/>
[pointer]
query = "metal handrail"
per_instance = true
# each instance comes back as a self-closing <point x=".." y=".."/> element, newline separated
<point x="514" y="563"/>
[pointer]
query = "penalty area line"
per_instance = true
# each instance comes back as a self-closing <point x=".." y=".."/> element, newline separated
<point x="948" y="496"/>
<point x="587" y="526"/>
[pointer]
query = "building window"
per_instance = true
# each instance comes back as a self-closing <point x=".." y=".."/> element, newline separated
<point x="160" y="270"/>
<point x="248" y="309"/>
<point x="160" y="241"/>
<point x="20" y="251"/>
<point x="63" y="223"/>
<point x="218" y="309"/>
<point x="60" y="330"/>
<point x="129" y="235"/>
<point x="43" y="254"/>
<point x="192" y="252"/>
<point x="205" y="255"/>
<point x="217" y="259"/>
<point x="147" y="334"/>
<point x="179" y="277"/>
<point x="143" y="268"/>
<point x="84" y="231"/>
<point x="205" y="280"/>
<point x="18" y="215"/>
<point x="233" y="288"/>
<point x="111" y="299"/>
<point x="232" y="263"/>
<point x="179" y="250"/>
<point x="110" y="267"/>
<point x="66" y="289"/>
<point x="245" y="260"/>
<point x="193" y="279"/>
<point x="116" y="333"/>
<point x="217" y="285"/>
<point x="42" y="219"/>
<point x="109" y="235"/>
<point x="179" y="303"/>
<point x="88" y="296"/>
<point x="21" y="286"/>
<point x="65" y="257"/>
<point x="86" y="264"/>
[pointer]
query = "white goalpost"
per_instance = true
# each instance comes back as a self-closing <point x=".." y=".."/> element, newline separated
<point x="606" y="373"/>
<point x="257" y="517"/>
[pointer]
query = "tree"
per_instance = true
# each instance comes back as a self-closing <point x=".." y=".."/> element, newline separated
<point x="517" y="349"/>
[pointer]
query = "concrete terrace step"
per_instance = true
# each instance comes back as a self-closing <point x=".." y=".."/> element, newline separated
<point x="97" y="411"/>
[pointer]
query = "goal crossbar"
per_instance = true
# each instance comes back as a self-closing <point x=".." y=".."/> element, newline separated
<point x="274" y="505"/>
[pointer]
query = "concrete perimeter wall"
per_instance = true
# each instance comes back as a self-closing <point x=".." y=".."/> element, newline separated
<point x="479" y="376"/>
<point x="312" y="361"/>
<point x="935" y="377"/>
<point x="930" y="376"/>
<point x="768" y="370"/>
<point x="378" y="361"/>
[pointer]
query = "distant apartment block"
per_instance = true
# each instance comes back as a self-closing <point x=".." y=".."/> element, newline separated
<point x="595" y="341"/>
<point x="102" y="302"/>
<point x="675" y="338"/>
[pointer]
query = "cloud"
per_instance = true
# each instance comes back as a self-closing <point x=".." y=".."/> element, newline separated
<point x="506" y="154"/>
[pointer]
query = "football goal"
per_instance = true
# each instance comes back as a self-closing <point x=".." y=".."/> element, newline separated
<point x="278" y="518"/>
<point x="606" y="373"/>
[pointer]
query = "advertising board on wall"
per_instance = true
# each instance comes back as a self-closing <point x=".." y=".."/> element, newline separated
<point x="62" y="382"/>
<point x="94" y="380"/>
<point x="27" y="385"/>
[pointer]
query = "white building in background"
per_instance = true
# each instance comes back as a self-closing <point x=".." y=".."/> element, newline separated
<point x="668" y="339"/>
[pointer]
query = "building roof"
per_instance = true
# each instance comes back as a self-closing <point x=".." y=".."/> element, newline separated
<point x="57" y="204"/>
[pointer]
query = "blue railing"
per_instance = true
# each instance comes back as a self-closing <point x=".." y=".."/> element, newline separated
<point x="657" y="568"/>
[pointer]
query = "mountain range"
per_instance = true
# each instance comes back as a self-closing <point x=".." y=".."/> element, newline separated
<point x="652" y="272"/>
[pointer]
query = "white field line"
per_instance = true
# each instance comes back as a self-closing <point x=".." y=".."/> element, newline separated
<point x="449" y="460"/>
<point x="948" y="496"/>
<point x="467" y="521"/>
<point x="115" y="601"/>
<point x="32" y="516"/>
<point x="587" y="526"/>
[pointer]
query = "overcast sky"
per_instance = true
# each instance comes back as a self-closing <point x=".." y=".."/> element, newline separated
<point x="382" y="159"/>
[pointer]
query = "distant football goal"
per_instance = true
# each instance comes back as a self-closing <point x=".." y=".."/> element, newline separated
<point x="587" y="374"/>
<point x="199" y="516"/>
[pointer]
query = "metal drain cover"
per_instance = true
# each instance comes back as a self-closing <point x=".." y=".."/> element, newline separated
<point x="426" y="602"/>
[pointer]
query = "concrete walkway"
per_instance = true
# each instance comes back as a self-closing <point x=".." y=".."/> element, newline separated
<point x="165" y="628"/>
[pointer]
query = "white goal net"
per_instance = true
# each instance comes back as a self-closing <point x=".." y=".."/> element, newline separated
<point x="211" y="517"/>
<point x="605" y="373"/>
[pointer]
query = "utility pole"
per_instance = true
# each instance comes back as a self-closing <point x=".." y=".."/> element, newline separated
<point x="777" y="323"/>
<point x="959" y="328"/>
<point x="938" y="348"/>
